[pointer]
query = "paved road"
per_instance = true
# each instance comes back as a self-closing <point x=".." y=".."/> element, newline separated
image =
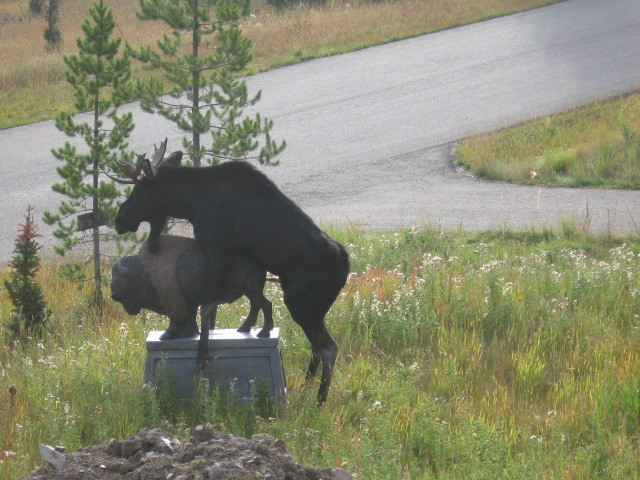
<point x="370" y="133"/>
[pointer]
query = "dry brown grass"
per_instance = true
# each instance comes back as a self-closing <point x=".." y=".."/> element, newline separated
<point x="32" y="79"/>
<point x="303" y="31"/>
<point x="25" y="61"/>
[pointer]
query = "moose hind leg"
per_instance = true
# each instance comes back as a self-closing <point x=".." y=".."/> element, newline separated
<point x="267" y="311"/>
<point x="314" y="364"/>
<point x="308" y="301"/>
<point x="323" y="349"/>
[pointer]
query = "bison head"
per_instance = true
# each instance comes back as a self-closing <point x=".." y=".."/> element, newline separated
<point x="126" y="288"/>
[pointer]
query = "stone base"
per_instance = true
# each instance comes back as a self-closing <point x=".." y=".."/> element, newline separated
<point x="241" y="360"/>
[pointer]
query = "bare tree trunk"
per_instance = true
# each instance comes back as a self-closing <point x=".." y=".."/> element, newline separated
<point x="96" y="214"/>
<point x="195" y="108"/>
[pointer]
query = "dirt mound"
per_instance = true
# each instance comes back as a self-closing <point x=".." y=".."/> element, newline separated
<point x="157" y="455"/>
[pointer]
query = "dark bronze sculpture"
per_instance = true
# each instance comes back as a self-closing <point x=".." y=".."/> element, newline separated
<point x="236" y="211"/>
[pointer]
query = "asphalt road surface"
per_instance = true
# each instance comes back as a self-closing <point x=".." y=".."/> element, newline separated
<point x="370" y="133"/>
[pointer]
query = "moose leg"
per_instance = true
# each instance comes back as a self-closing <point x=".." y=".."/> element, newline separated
<point x="308" y="311"/>
<point x="267" y="311"/>
<point x="308" y="298"/>
<point x="157" y="225"/>
<point x="217" y="268"/>
<point x="313" y="365"/>
<point x="324" y="349"/>
<point x="207" y="320"/>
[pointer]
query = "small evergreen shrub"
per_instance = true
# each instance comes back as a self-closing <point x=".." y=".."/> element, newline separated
<point x="36" y="6"/>
<point x="30" y="312"/>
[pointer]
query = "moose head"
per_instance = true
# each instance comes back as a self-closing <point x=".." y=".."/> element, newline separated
<point x="145" y="201"/>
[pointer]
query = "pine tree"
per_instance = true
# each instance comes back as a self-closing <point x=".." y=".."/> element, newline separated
<point x="206" y="97"/>
<point x="101" y="82"/>
<point x="30" y="309"/>
<point x="52" y="34"/>
<point x="36" y="6"/>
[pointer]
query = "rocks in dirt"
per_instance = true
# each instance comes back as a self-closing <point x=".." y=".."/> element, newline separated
<point x="51" y="456"/>
<point x="340" y="474"/>
<point x="145" y="441"/>
<point x="207" y="455"/>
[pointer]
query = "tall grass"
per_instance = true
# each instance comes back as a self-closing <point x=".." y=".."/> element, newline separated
<point x="486" y="355"/>
<point x="595" y="146"/>
<point x="32" y="80"/>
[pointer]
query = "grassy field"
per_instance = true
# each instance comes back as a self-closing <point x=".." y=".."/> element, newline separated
<point x="463" y="356"/>
<point x="32" y="85"/>
<point x="595" y="146"/>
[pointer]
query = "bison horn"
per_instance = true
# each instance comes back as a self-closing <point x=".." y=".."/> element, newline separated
<point x="121" y="268"/>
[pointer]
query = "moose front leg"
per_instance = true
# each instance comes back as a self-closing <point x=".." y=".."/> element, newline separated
<point x="157" y="226"/>
<point x="207" y="321"/>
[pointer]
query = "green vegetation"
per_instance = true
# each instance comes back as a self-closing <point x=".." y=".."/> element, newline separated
<point x="595" y="146"/>
<point x="207" y="99"/>
<point x="30" y="308"/>
<point x="463" y="356"/>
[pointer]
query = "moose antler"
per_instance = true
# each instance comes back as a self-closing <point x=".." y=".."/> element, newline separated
<point x="158" y="153"/>
<point x="149" y="167"/>
<point x="130" y="171"/>
<point x="143" y="164"/>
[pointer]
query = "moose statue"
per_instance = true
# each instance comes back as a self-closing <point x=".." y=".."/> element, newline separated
<point x="235" y="211"/>
<point x="171" y="282"/>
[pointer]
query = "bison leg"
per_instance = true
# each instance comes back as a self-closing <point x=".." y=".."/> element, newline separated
<point x="182" y="327"/>
<point x="171" y="332"/>
<point x="267" y="311"/>
<point x="217" y="269"/>
<point x="176" y="331"/>
<point x="212" y="314"/>
<point x="252" y="318"/>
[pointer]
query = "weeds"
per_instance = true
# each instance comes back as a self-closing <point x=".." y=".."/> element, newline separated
<point x="596" y="146"/>
<point x="487" y="355"/>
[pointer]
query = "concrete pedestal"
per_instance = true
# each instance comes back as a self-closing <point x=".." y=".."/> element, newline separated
<point x="239" y="359"/>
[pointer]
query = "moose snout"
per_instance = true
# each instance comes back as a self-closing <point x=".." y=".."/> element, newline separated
<point x="123" y="227"/>
<point x="120" y="226"/>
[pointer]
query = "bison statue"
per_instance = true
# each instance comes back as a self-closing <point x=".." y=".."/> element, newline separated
<point x="172" y="282"/>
